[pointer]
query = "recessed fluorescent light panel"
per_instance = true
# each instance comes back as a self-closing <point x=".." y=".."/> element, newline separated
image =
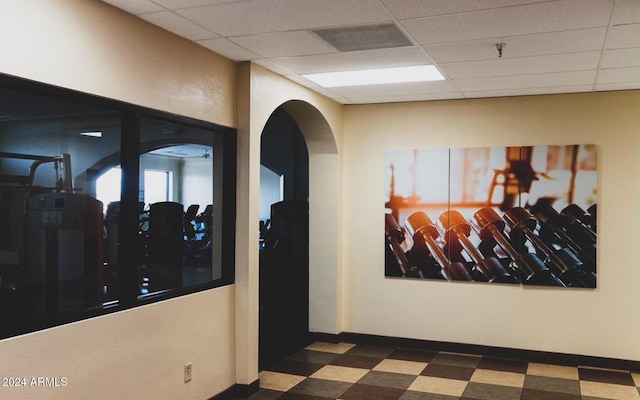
<point x="380" y="76"/>
<point x="91" y="133"/>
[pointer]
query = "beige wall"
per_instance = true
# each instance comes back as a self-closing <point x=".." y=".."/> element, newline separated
<point x="140" y="353"/>
<point x="134" y="354"/>
<point x="95" y="48"/>
<point x="601" y="322"/>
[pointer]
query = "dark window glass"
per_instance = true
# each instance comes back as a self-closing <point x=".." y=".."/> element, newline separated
<point x="51" y="249"/>
<point x="105" y="206"/>
<point x="180" y="176"/>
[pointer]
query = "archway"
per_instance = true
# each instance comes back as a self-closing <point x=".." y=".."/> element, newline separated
<point x="284" y="244"/>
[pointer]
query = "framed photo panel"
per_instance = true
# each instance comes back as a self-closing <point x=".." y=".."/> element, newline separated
<point x="512" y="215"/>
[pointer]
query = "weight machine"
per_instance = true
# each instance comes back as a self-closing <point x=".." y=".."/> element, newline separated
<point x="57" y="239"/>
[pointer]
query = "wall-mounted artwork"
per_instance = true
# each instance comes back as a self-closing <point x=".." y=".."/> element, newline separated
<point x="511" y="215"/>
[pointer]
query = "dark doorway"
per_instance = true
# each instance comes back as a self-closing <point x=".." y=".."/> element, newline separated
<point x="284" y="244"/>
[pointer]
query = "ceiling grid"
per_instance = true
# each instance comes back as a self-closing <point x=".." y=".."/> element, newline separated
<point x="551" y="46"/>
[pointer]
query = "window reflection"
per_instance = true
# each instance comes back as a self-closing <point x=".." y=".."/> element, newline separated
<point x="51" y="248"/>
<point x="177" y="167"/>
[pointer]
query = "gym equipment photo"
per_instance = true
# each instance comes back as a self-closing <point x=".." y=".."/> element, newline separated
<point x="516" y="215"/>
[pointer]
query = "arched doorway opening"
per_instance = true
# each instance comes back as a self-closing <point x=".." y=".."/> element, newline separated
<point x="284" y="240"/>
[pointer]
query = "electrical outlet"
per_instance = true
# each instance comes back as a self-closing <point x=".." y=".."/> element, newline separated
<point x="187" y="372"/>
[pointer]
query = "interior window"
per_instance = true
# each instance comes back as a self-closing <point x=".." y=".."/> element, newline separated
<point x="106" y="205"/>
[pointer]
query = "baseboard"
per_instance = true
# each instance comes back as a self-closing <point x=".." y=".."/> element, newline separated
<point x="490" y="351"/>
<point x="246" y="391"/>
<point x="327" y="337"/>
<point x="228" y="394"/>
<point x="238" y="390"/>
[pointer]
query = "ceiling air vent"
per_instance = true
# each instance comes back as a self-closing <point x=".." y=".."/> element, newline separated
<point x="364" y="37"/>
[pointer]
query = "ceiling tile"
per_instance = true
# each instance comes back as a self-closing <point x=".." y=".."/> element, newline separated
<point x="398" y="89"/>
<point x="354" y="60"/>
<point x="527" y="81"/>
<point x="614" y="75"/>
<point x="284" y="44"/>
<point x="522" y="65"/>
<point x="618" y="86"/>
<point x="621" y="58"/>
<point x="520" y="46"/>
<point x="237" y="19"/>
<point x="306" y="82"/>
<point x="404" y="98"/>
<point x="178" y="25"/>
<point x="407" y="9"/>
<point x="228" y="49"/>
<point x="622" y="36"/>
<point x="522" y="20"/>
<point x="315" y="87"/>
<point x="529" y="91"/>
<point x="135" y="6"/>
<point x="273" y="67"/>
<point x="626" y="12"/>
<point x="177" y="4"/>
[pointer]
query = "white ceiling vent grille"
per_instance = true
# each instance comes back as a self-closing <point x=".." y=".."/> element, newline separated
<point x="364" y="37"/>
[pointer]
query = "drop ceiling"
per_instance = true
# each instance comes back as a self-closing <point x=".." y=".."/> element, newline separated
<point x="557" y="46"/>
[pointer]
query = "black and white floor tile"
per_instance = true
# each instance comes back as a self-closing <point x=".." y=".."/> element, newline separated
<point x="347" y="371"/>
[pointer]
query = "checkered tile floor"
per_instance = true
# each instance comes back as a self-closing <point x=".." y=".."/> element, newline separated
<point x="352" y="372"/>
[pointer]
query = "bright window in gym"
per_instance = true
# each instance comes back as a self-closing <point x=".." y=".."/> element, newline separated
<point x="157" y="186"/>
<point x="92" y="223"/>
<point x="108" y="186"/>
